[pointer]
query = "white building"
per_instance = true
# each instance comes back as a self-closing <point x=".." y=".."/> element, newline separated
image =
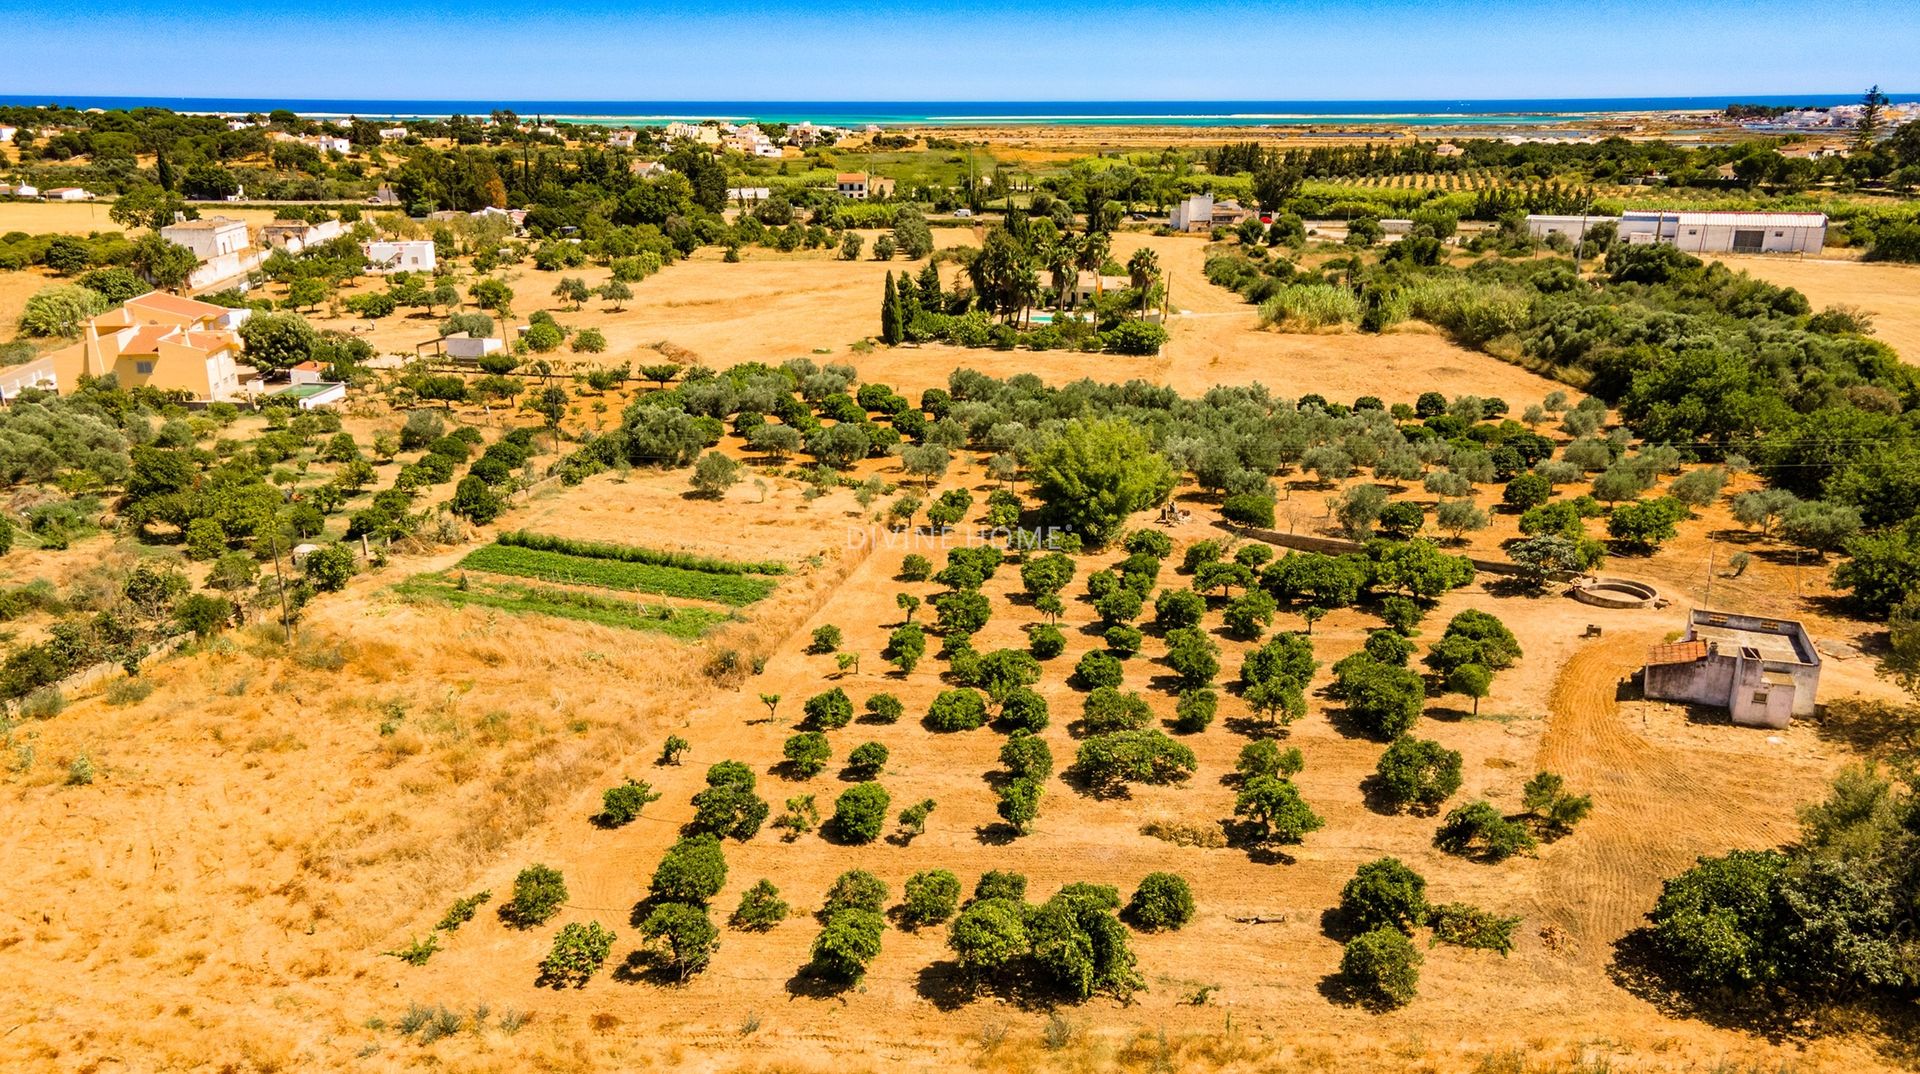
<point x="22" y="190"/>
<point x="325" y="143"/>
<point x="1575" y="228"/>
<point x="646" y="169"/>
<point x="399" y="255"/>
<point x="693" y="132"/>
<point x="1193" y="214"/>
<point x="622" y="139"/>
<point x="1720" y="233"/>
<point x="216" y="236"/>
<point x="859" y="186"/>
<point x="392" y="134"/>
<point x="294" y="236"/>
<point x="67" y="193"/>
<point x="7" y="133"/>
<point x="748" y="195"/>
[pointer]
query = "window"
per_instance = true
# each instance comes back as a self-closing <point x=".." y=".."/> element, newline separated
<point x="145" y="369"/>
<point x="1760" y="697"/>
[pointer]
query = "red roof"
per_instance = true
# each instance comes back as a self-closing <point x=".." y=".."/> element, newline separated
<point x="1679" y="652"/>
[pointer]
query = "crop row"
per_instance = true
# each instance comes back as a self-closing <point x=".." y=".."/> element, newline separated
<point x="547" y="566"/>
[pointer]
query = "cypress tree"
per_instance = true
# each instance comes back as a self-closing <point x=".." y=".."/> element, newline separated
<point x="890" y="329"/>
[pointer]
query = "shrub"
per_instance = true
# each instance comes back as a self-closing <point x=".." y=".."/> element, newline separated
<point x="760" y="908"/>
<point x="1096" y="669"/>
<point x="1275" y="809"/>
<point x="577" y="954"/>
<point x="462" y="911"/>
<point x="867" y="760"/>
<point x="913" y="819"/>
<point x="931" y="897"/>
<point x="1478" y="828"/>
<point x="807" y="753"/>
<point x="884" y="708"/>
<point x="1195" y="710"/>
<point x="1027" y="756"/>
<point x="1465" y="925"/>
<point x="1019" y="803"/>
<point x="1178" y="607"/>
<point x="1107" y="710"/>
<point x="620" y="805"/>
<point x="1123" y="640"/>
<point x="1382" y="965"/>
<point x="991" y="933"/>
<point x="1024" y="710"/>
<point x="1193" y="656"/>
<point x="1384" y="894"/>
<point x="1264" y="757"/>
<point x="847" y="944"/>
<point x="905" y="646"/>
<point x="1384" y="701"/>
<point x="855" y="889"/>
<point x="826" y="639"/>
<point x="538" y="893"/>
<point x="1045" y="641"/>
<point x="860" y="812"/>
<point x="728" y="806"/>
<point x="1162" y="901"/>
<point x="1418" y="772"/>
<point x="1133" y="757"/>
<point x="692" y="871"/>
<point x="1546" y="797"/>
<point x="915" y="568"/>
<point x="682" y="936"/>
<point x="957" y="710"/>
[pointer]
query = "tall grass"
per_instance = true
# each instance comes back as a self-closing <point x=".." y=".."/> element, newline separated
<point x="1471" y="312"/>
<point x="627" y="553"/>
<point x="1310" y="305"/>
<point x="617" y="574"/>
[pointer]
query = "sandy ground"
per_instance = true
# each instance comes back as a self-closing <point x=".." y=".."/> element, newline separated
<point x="1885" y="289"/>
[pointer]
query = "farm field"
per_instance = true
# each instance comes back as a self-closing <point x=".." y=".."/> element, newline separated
<point x="278" y="820"/>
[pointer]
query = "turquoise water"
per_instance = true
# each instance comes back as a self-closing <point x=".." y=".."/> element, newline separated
<point x="1451" y="113"/>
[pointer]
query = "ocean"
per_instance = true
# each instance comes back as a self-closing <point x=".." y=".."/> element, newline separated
<point x="1451" y="113"/>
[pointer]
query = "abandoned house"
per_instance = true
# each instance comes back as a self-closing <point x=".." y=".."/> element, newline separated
<point x="1763" y="671"/>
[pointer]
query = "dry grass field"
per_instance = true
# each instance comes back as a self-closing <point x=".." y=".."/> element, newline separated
<point x="1887" y="290"/>
<point x="274" y="817"/>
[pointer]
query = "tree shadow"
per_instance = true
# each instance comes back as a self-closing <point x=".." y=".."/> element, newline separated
<point x="646" y="967"/>
<point x="997" y="834"/>
<point x="1870" y="728"/>
<point x="808" y="983"/>
<point x="1253" y="727"/>
<point x="1373" y="794"/>
<point x="1337" y="990"/>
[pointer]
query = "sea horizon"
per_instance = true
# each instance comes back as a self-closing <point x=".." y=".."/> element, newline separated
<point x="1208" y="113"/>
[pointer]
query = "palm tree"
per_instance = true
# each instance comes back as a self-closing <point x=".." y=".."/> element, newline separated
<point x="1143" y="268"/>
<point x="1060" y="257"/>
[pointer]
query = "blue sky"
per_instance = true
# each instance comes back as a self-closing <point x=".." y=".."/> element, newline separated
<point x="956" y="50"/>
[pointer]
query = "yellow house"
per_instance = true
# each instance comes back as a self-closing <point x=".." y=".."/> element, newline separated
<point x="160" y="341"/>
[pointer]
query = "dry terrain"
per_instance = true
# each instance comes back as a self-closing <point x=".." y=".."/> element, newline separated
<point x="1887" y="290"/>
<point x="273" y="818"/>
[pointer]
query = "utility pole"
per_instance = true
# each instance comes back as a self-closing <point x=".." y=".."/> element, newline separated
<point x="280" y="582"/>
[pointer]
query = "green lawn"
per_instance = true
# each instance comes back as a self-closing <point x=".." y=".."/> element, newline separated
<point x="548" y="566"/>
<point x="683" y="623"/>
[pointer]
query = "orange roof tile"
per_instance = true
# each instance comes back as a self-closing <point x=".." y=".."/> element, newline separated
<point x="1680" y="652"/>
<point x="176" y="305"/>
<point x="146" y="340"/>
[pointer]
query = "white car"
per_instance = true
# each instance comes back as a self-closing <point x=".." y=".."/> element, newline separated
<point x="963" y="214"/>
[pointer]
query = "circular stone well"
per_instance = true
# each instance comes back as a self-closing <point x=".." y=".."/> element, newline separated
<point x="1615" y="593"/>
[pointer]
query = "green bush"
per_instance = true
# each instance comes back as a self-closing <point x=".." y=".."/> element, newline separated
<point x="1024" y="710"/>
<point x="884" y="708"/>
<point x="931" y="897"/>
<point x="1162" y="901"/>
<point x="1382" y="966"/>
<point x="760" y="907"/>
<point x="692" y="871"/>
<point x="1479" y="829"/>
<point x="860" y="812"/>
<point x="1195" y="710"/>
<point x="578" y="951"/>
<point x="1046" y="641"/>
<point x="957" y="710"/>
<point x="1384" y="894"/>
<point x="538" y="893"/>
<point x="807" y="753"/>
<point x="681" y="935"/>
<point x="1418" y="773"/>
<point x="1096" y="669"/>
<point x="1107" y="710"/>
<point x="1107" y="761"/>
<point x="855" y="889"/>
<point x="828" y="711"/>
<point x="867" y="760"/>
<point x="620" y="805"/>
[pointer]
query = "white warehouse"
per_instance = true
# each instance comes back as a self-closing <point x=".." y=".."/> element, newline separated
<point x="1727" y="233"/>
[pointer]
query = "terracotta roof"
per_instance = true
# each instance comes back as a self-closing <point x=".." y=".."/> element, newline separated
<point x="1679" y="652"/>
<point x="851" y="177"/>
<point x="174" y="304"/>
<point x="146" y="340"/>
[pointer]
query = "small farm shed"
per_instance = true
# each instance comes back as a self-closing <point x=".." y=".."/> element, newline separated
<point x="1762" y="671"/>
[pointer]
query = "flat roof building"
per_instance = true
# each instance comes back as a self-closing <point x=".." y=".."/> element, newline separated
<point x="1762" y="671"/>
<point x="1727" y="233"/>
